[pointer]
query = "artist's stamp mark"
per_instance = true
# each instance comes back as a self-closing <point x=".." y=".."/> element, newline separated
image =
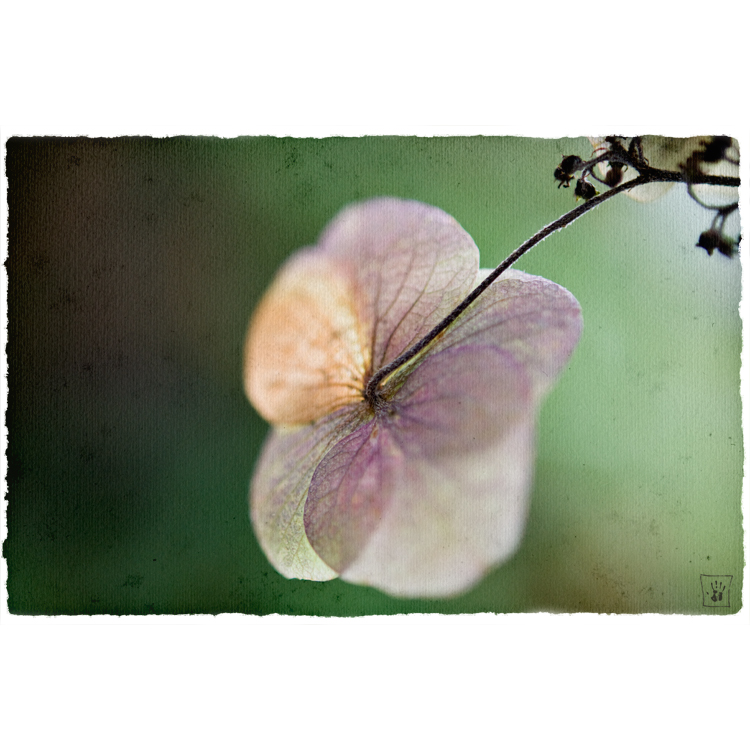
<point x="715" y="590"/>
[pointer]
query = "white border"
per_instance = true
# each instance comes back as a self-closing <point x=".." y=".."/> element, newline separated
<point x="392" y="68"/>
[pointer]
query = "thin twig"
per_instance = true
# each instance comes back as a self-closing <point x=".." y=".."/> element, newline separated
<point x="648" y="175"/>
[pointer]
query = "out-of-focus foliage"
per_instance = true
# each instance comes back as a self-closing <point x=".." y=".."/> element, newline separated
<point x="134" y="266"/>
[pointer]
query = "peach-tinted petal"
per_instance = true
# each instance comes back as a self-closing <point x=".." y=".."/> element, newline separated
<point x="306" y="353"/>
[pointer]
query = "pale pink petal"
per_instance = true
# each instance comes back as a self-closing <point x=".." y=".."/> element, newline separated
<point x="409" y="264"/>
<point x="425" y="500"/>
<point x="451" y="522"/>
<point x="279" y="491"/>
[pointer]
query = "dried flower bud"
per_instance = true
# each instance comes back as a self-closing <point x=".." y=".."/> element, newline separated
<point x="562" y="177"/>
<point x="727" y="247"/>
<point x="571" y="164"/>
<point x="716" y="148"/>
<point x="584" y="190"/>
<point x="675" y="154"/>
<point x="613" y="176"/>
<point x="565" y="171"/>
<point x="709" y="240"/>
<point x="713" y="239"/>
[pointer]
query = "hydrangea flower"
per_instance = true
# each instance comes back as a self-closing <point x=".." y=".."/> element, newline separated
<point x="423" y="490"/>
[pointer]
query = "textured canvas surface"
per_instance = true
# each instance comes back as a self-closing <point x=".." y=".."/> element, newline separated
<point x="134" y="266"/>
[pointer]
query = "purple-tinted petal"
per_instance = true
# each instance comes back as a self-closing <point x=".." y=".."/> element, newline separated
<point x="279" y="491"/>
<point x="535" y="320"/>
<point x="425" y="501"/>
<point x="409" y="264"/>
<point x="422" y="503"/>
<point x="350" y="492"/>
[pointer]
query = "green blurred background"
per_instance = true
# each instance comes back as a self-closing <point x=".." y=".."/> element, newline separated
<point x="134" y="266"/>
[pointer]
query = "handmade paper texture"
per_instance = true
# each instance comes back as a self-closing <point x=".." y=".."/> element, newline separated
<point x="134" y="268"/>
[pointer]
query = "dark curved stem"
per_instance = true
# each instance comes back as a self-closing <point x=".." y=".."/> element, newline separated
<point x="649" y="175"/>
